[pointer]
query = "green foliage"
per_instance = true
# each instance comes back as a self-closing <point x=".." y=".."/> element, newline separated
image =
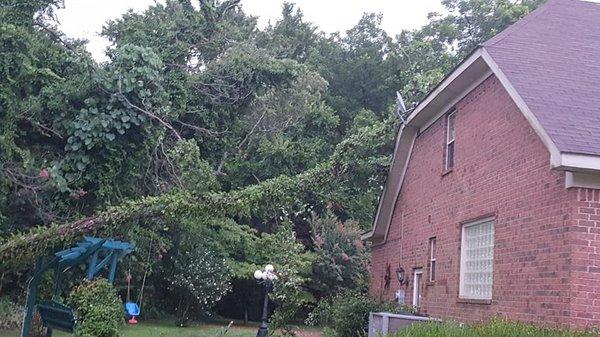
<point x="495" y="328"/>
<point x="192" y="172"/>
<point x="198" y="279"/>
<point x="472" y="22"/>
<point x="202" y="130"/>
<point x="292" y="265"/>
<point x="290" y="37"/>
<point x="341" y="261"/>
<point x="107" y="136"/>
<point x="11" y="314"/>
<point x="98" y="309"/>
<point x="347" y="314"/>
<point x="21" y="12"/>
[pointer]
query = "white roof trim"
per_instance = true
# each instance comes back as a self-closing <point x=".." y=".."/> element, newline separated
<point x="444" y="84"/>
<point x="578" y="162"/>
<point x="581" y="179"/>
<point x="455" y="101"/>
<point x="407" y="136"/>
<point x="434" y="109"/>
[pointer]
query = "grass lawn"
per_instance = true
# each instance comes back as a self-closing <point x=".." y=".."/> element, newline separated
<point x="145" y="329"/>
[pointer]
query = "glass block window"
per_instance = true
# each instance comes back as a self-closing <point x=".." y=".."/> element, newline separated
<point x="477" y="260"/>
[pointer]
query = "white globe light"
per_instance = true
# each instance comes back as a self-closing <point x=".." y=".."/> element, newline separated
<point x="269" y="268"/>
<point x="258" y="274"/>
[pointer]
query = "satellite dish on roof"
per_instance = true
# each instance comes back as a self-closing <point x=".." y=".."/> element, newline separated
<point x="401" y="110"/>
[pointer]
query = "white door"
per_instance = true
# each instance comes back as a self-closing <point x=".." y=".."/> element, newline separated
<point x="417" y="287"/>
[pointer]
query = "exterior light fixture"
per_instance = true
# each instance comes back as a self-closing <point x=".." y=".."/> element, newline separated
<point x="401" y="275"/>
<point x="266" y="277"/>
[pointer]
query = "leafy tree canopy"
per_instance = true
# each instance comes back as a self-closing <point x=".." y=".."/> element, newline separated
<point x="202" y="128"/>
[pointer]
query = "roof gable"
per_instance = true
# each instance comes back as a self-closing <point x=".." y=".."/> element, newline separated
<point x="548" y="63"/>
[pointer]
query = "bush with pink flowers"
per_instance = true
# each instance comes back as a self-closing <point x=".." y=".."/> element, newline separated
<point x="342" y="258"/>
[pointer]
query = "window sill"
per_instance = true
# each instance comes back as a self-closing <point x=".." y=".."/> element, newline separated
<point x="473" y="301"/>
<point x="429" y="283"/>
<point x="445" y="172"/>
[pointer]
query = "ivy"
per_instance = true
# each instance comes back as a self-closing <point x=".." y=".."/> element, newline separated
<point x="265" y="200"/>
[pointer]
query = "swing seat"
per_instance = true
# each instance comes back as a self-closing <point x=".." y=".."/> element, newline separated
<point x="132" y="309"/>
<point x="56" y="316"/>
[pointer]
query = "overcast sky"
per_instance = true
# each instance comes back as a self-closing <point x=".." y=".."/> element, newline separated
<point x="84" y="18"/>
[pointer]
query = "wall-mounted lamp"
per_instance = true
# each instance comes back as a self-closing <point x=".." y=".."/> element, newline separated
<point x="401" y="275"/>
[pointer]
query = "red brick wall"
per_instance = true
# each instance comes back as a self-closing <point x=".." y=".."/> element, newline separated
<point x="501" y="169"/>
<point x="585" y="259"/>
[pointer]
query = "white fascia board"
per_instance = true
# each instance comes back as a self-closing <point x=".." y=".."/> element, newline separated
<point x="558" y="160"/>
<point x="366" y="235"/>
<point x="443" y="111"/>
<point x="385" y="208"/>
<point x="579" y="162"/>
<point x="582" y="179"/>
<point x="445" y="83"/>
<point x="369" y="235"/>
<point x="413" y="137"/>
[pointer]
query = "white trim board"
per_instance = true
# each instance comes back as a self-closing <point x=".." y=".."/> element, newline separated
<point x="582" y="180"/>
<point x="449" y="106"/>
<point x="578" y="162"/>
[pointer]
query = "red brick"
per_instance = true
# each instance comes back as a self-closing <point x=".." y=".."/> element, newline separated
<point x="546" y="259"/>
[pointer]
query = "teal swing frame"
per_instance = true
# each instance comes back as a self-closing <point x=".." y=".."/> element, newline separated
<point x="99" y="253"/>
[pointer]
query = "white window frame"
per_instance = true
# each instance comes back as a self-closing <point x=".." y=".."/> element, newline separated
<point x="463" y="261"/>
<point x="417" y="288"/>
<point x="449" y="140"/>
<point x="432" y="263"/>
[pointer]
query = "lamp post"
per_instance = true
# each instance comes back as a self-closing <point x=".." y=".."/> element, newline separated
<point x="266" y="277"/>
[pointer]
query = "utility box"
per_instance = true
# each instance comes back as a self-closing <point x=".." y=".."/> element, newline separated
<point x="385" y="322"/>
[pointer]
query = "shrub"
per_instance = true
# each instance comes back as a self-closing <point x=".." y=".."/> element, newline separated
<point x="341" y="261"/>
<point x="11" y="314"/>
<point x="198" y="279"/>
<point x="293" y="270"/>
<point x="347" y="314"/>
<point x="98" y="309"/>
<point x="495" y="328"/>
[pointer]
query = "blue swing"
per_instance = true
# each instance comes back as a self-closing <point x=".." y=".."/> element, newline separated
<point x="132" y="309"/>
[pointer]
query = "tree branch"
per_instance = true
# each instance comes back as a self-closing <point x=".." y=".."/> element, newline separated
<point x="201" y="129"/>
<point x="151" y="115"/>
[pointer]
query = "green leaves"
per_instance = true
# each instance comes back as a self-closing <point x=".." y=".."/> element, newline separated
<point x="342" y="258"/>
<point x="98" y="309"/>
<point x="203" y="126"/>
<point x="198" y="278"/>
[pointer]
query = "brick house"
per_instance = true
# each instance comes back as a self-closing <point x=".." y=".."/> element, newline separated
<point x="492" y="202"/>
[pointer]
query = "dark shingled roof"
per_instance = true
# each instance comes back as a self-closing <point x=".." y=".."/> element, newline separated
<point x="552" y="59"/>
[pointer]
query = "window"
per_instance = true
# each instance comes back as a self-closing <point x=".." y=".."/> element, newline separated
<point x="432" y="254"/>
<point x="477" y="260"/>
<point x="450" y="135"/>
<point x="417" y="288"/>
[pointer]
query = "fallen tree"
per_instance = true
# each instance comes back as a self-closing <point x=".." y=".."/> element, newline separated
<point x="267" y="199"/>
<point x="275" y="194"/>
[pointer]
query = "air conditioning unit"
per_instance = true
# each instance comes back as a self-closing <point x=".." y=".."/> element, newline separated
<point x="381" y="323"/>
